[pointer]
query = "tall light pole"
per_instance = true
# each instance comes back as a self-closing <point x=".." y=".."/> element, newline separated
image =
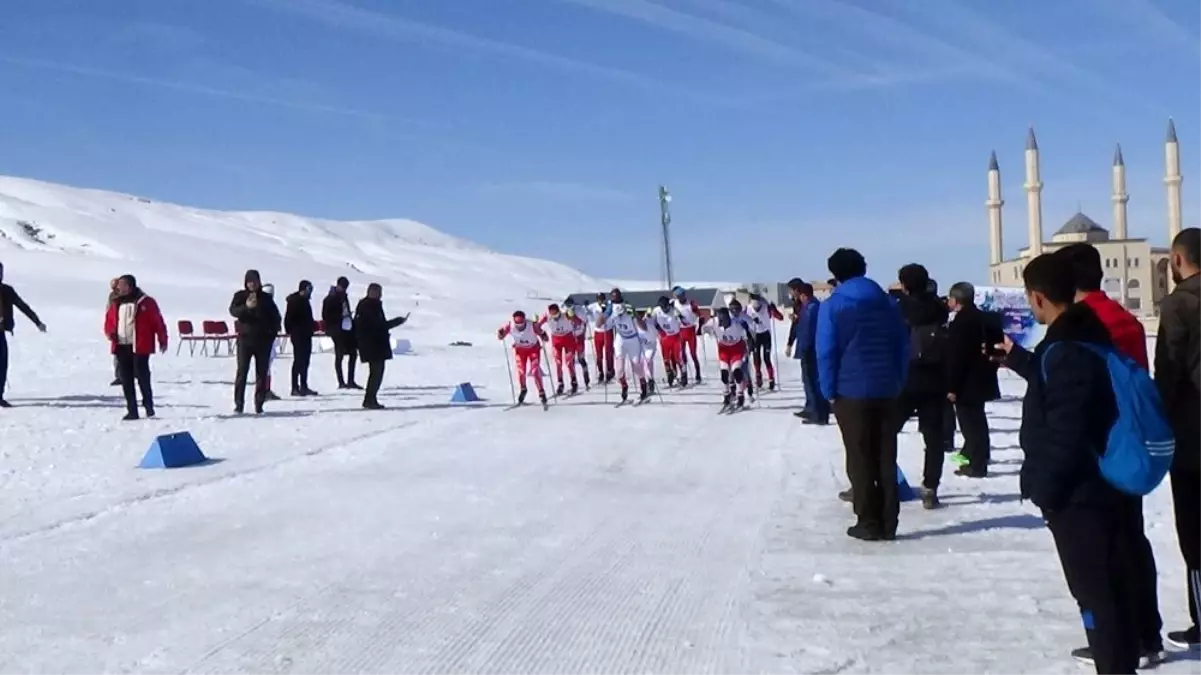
<point x="665" y="219"/>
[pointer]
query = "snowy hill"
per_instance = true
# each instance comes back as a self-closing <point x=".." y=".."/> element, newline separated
<point x="72" y="241"/>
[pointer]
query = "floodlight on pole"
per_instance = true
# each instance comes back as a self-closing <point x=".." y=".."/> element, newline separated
<point x="665" y="222"/>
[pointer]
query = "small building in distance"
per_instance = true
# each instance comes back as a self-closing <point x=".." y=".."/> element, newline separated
<point x="707" y="299"/>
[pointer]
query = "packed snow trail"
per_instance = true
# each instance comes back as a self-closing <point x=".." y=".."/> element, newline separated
<point x="425" y="538"/>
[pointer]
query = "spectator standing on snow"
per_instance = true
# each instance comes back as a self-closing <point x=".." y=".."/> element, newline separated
<point x="259" y="323"/>
<point x="1067" y="413"/>
<point x="862" y="357"/>
<point x="269" y="290"/>
<point x="300" y="327"/>
<point x="925" y="390"/>
<point x="112" y="297"/>
<point x="803" y="342"/>
<point x="371" y="327"/>
<point x="339" y="326"/>
<point x="10" y="300"/>
<point x="1129" y="338"/>
<point x="1178" y="378"/>
<point x="971" y="375"/>
<point x="134" y="327"/>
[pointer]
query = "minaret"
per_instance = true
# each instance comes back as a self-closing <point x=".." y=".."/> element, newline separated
<point x="996" y="251"/>
<point x="1119" y="194"/>
<point x="1172" y="179"/>
<point x="1034" y="197"/>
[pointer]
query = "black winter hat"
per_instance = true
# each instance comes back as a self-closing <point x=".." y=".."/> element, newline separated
<point x="252" y="275"/>
<point x="343" y="283"/>
<point x="304" y="285"/>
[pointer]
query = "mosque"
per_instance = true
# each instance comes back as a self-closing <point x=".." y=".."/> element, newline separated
<point x="1136" y="272"/>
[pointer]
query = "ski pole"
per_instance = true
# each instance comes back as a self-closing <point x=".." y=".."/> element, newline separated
<point x="504" y="345"/>
<point x="775" y="352"/>
<point x="549" y="377"/>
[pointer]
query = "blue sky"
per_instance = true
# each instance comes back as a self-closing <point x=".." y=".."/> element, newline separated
<point x="784" y="128"/>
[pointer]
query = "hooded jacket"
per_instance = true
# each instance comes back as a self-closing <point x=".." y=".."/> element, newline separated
<point x="298" y="316"/>
<point x="260" y="325"/>
<point x="862" y="343"/>
<point x="1178" y="369"/>
<point x="1067" y="415"/>
<point x="1127" y="333"/>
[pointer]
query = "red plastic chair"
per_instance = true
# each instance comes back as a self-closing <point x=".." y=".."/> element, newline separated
<point x="187" y="333"/>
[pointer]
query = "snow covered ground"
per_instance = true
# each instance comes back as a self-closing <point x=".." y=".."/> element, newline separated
<point x="433" y="538"/>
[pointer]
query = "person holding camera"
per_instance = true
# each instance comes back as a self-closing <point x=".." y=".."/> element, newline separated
<point x="971" y="374"/>
<point x="259" y="323"/>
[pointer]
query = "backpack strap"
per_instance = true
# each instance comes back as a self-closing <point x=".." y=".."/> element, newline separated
<point x="1043" y="359"/>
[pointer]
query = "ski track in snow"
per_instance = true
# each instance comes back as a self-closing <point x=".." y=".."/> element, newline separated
<point x="429" y="539"/>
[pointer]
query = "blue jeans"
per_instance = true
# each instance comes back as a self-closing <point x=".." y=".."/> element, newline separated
<point x="817" y="407"/>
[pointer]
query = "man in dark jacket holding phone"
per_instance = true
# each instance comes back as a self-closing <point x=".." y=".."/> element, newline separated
<point x="371" y="327"/>
<point x="300" y="327"/>
<point x="1067" y="413"/>
<point x="971" y="375"/>
<point x="259" y="324"/>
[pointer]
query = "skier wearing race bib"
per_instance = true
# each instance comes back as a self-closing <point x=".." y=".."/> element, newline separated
<point x="690" y="322"/>
<point x="628" y="347"/>
<point x="527" y="352"/>
<point x="649" y="336"/>
<point x="731" y="335"/>
<point x="667" y="321"/>
<point x="562" y="345"/>
<point x="761" y="315"/>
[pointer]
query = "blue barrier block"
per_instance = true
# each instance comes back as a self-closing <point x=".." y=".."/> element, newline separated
<point x="464" y="393"/>
<point x="905" y="493"/>
<point x="172" y="451"/>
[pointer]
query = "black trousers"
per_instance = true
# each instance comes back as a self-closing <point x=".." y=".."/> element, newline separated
<point x="761" y="355"/>
<point x="375" y="379"/>
<point x="261" y="354"/>
<point x="344" y="348"/>
<point x="869" y="432"/>
<point x="3" y="361"/>
<point x="929" y="411"/>
<point x="1100" y="571"/>
<point x="1145" y="580"/>
<point x="302" y="355"/>
<point x="977" y="442"/>
<point x="1186" y="495"/>
<point x="948" y="425"/>
<point x="133" y="368"/>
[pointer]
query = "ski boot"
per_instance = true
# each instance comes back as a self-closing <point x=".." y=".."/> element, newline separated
<point x="542" y="398"/>
<point x="650" y="385"/>
<point x="625" y="392"/>
<point x="521" y="396"/>
<point x="587" y="380"/>
<point x="683" y="379"/>
<point x="697" y="379"/>
<point x="771" y="385"/>
<point x="759" y="381"/>
<point x="644" y="390"/>
<point x="725" y="400"/>
<point x="575" y="386"/>
<point x="741" y="402"/>
<point x="559" y="391"/>
<point x="671" y="379"/>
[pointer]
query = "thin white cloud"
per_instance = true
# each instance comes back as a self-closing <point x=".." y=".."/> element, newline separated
<point x="712" y="32"/>
<point x="559" y="191"/>
<point x="1146" y="16"/>
<point x="342" y="15"/>
<point x="191" y="88"/>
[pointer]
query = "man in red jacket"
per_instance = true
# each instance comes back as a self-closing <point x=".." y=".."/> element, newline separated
<point x="133" y="324"/>
<point x="1130" y="338"/>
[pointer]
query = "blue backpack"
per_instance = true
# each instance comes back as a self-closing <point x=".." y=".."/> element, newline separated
<point x="1141" y="443"/>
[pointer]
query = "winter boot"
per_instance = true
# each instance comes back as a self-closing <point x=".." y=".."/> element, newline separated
<point x="296" y="392"/>
<point x="929" y="498"/>
<point x="150" y="410"/>
<point x="521" y="396"/>
<point x="373" y="405"/>
<point x="130" y="416"/>
<point x="115" y="383"/>
<point x="308" y="392"/>
<point x="5" y="404"/>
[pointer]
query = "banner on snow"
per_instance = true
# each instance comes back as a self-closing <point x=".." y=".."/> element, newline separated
<point x="1017" y="319"/>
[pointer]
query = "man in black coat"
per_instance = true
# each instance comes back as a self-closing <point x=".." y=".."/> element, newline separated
<point x="1178" y="378"/>
<point x="9" y="299"/>
<point x="925" y="389"/>
<point x="971" y="375"/>
<point x="339" y="326"/>
<point x="371" y="328"/>
<point x="259" y="324"/>
<point x="1067" y="414"/>
<point x="299" y="325"/>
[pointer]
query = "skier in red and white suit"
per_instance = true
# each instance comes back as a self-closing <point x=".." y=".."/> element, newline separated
<point x="760" y="316"/>
<point x="563" y="344"/>
<point x="602" y="338"/>
<point x="667" y="320"/>
<point x="579" y="319"/>
<point x="527" y="351"/>
<point x="732" y="336"/>
<point x="690" y="323"/>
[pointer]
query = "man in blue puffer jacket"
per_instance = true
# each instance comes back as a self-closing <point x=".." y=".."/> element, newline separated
<point x="862" y="362"/>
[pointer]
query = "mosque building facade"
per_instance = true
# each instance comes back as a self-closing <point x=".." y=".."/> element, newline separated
<point x="1136" y="271"/>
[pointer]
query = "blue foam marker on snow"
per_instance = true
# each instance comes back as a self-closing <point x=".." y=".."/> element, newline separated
<point x="464" y="393"/>
<point x="172" y="451"/>
<point x="905" y="493"/>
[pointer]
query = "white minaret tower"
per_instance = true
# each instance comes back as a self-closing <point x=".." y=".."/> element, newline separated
<point x="1172" y="179"/>
<point x="996" y="248"/>
<point x="1119" y="194"/>
<point x="1034" y="196"/>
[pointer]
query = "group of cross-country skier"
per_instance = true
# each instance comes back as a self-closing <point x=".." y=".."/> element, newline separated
<point x="622" y="337"/>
